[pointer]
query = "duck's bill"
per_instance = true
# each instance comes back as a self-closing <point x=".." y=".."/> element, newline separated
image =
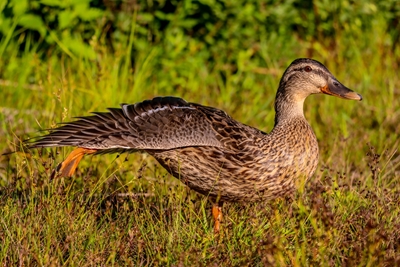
<point x="335" y="88"/>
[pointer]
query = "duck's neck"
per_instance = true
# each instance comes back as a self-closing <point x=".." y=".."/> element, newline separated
<point x="288" y="107"/>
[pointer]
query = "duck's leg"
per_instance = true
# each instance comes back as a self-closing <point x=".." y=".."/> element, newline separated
<point x="217" y="215"/>
<point x="68" y="166"/>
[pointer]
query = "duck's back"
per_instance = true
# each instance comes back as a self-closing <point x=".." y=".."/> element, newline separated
<point x="250" y="165"/>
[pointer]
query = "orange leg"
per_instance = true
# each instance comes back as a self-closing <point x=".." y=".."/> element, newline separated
<point x="68" y="166"/>
<point x="217" y="215"/>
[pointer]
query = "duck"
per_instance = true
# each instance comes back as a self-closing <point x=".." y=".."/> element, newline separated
<point x="204" y="147"/>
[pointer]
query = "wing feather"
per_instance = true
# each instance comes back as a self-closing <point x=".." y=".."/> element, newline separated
<point x="161" y="123"/>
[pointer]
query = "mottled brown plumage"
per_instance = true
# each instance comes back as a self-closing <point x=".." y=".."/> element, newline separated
<point x="204" y="147"/>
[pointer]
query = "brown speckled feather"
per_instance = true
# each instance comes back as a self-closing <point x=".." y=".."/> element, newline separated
<point x="208" y="150"/>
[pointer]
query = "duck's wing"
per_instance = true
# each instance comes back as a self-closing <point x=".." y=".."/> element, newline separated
<point x="233" y="135"/>
<point x="161" y="123"/>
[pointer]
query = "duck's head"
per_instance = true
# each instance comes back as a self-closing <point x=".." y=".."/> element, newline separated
<point x="307" y="76"/>
<point x="302" y="78"/>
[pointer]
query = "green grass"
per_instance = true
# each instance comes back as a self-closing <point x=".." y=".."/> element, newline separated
<point x="126" y="210"/>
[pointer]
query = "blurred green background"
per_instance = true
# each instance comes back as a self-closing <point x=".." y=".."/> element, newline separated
<point x="60" y="59"/>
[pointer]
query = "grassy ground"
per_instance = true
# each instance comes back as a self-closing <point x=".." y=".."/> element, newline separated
<point x="126" y="210"/>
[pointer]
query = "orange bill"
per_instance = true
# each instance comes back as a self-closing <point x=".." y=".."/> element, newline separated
<point x="335" y="88"/>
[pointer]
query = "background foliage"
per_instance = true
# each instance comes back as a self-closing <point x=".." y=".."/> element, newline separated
<point x="60" y="59"/>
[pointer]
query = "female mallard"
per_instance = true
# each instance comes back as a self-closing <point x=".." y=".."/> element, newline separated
<point x="204" y="147"/>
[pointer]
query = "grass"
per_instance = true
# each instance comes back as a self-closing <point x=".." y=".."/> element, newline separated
<point x="126" y="210"/>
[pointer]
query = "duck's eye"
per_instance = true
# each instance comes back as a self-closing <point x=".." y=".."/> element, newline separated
<point x="307" y="68"/>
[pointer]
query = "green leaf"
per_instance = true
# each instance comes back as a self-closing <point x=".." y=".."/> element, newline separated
<point x="5" y="24"/>
<point x="91" y="14"/>
<point x="19" y="7"/>
<point x="163" y="16"/>
<point x="65" y="18"/>
<point x="187" y="23"/>
<point x="33" y="22"/>
<point x="57" y="3"/>
<point x="145" y="17"/>
<point x="79" y="2"/>
<point x="3" y="4"/>
<point x="78" y="47"/>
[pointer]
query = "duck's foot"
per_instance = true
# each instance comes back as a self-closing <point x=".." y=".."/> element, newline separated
<point x="68" y="166"/>
<point x="217" y="215"/>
